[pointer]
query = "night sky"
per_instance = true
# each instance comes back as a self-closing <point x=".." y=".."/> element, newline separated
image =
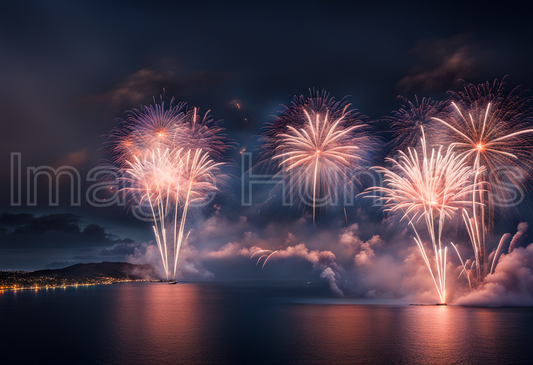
<point x="68" y="70"/>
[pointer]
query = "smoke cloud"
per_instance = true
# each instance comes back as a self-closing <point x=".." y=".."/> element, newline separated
<point x="519" y="236"/>
<point x="511" y="284"/>
<point x="351" y="261"/>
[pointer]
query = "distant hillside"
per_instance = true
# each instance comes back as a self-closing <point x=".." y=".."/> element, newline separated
<point x="96" y="273"/>
<point x="115" y="270"/>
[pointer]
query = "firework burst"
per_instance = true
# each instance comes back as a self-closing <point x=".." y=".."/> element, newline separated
<point x="145" y="129"/>
<point x="431" y="187"/>
<point x="408" y="121"/>
<point x="150" y="179"/>
<point x="168" y="162"/>
<point x="316" y="143"/>
<point x="492" y="129"/>
<point x="195" y="130"/>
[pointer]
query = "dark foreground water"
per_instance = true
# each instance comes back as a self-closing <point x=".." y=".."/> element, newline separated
<point x="250" y="323"/>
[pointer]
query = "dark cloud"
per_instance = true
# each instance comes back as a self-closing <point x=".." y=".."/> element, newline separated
<point x="440" y="63"/>
<point x="76" y="159"/>
<point x="142" y="86"/>
<point x="64" y="230"/>
<point x="15" y="220"/>
<point x="126" y="247"/>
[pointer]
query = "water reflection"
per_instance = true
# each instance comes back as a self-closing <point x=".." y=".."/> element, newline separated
<point x="411" y="334"/>
<point x="156" y="323"/>
<point x="168" y="322"/>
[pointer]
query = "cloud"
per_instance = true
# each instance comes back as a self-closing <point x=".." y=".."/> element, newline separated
<point x="140" y="87"/>
<point x="76" y="159"/>
<point x="351" y="265"/>
<point x="230" y="250"/>
<point x="351" y="262"/>
<point x="441" y="63"/>
<point x="322" y="261"/>
<point x="126" y="247"/>
<point x="363" y="250"/>
<point x="52" y="231"/>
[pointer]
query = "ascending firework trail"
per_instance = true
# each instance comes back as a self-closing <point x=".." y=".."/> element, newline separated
<point x="430" y="187"/>
<point x="168" y="163"/>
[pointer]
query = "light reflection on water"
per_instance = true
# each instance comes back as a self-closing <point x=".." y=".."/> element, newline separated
<point x="157" y="323"/>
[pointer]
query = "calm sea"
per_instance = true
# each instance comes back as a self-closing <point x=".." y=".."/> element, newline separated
<point x="249" y="323"/>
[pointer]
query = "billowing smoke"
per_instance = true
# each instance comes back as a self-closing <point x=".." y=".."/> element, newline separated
<point x="329" y="275"/>
<point x="511" y="284"/>
<point x="363" y="251"/>
<point x="351" y="260"/>
<point x="147" y="253"/>
<point x="322" y="261"/>
<point x="519" y="236"/>
<point x="189" y="266"/>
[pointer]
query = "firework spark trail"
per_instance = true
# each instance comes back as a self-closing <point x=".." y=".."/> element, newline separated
<point x="203" y="132"/>
<point x="263" y="253"/>
<point x="151" y="178"/>
<point x="432" y="188"/>
<point x="492" y="129"/>
<point x="269" y="256"/>
<point x="167" y="157"/>
<point x="259" y="251"/>
<point x="495" y="258"/>
<point x="199" y="173"/>
<point x="316" y="143"/>
<point x="464" y="266"/>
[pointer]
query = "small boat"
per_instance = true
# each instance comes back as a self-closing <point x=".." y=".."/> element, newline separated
<point x="173" y="282"/>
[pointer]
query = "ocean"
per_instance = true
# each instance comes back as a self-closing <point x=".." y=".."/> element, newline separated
<point x="250" y="323"/>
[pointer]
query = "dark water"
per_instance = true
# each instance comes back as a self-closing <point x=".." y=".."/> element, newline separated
<point x="156" y="323"/>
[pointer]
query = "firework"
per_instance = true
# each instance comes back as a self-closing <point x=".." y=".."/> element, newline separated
<point x="408" y="121"/>
<point x="197" y="180"/>
<point x="151" y="179"/>
<point x="467" y="272"/>
<point x="167" y="158"/>
<point x="316" y="143"/>
<point x="195" y="130"/>
<point x="432" y="188"/>
<point x="495" y="130"/>
<point x="495" y="258"/>
<point x="263" y="254"/>
<point x="146" y="129"/>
